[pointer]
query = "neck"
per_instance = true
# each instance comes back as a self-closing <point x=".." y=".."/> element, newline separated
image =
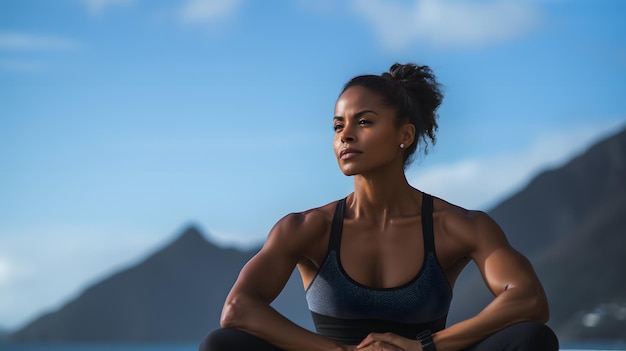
<point x="383" y="196"/>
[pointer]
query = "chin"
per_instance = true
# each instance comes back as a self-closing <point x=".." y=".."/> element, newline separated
<point x="349" y="171"/>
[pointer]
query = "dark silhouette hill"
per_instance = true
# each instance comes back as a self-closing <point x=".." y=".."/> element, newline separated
<point x="168" y="296"/>
<point x="559" y="201"/>
<point x="176" y="294"/>
<point x="569" y="221"/>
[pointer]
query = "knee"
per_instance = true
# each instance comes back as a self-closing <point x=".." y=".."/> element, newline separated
<point x="533" y="336"/>
<point x="218" y="340"/>
<point x="226" y="339"/>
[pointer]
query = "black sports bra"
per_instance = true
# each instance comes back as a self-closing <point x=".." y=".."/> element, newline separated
<point x="347" y="311"/>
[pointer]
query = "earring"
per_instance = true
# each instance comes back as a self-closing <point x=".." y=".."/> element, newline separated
<point x="402" y="146"/>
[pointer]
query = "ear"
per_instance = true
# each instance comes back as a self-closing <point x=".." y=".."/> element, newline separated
<point x="407" y="134"/>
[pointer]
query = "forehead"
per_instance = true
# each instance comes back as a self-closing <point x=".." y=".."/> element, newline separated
<point x="358" y="98"/>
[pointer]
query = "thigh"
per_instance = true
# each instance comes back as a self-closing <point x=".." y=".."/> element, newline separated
<point x="525" y="336"/>
<point x="235" y="340"/>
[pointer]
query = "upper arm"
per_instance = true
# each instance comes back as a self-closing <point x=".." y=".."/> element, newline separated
<point x="266" y="274"/>
<point x="501" y="266"/>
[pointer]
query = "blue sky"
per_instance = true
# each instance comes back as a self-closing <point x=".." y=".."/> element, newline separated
<point x="122" y="121"/>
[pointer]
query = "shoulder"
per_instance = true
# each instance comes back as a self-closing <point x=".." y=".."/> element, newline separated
<point x="307" y="222"/>
<point x="299" y="230"/>
<point x="473" y="229"/>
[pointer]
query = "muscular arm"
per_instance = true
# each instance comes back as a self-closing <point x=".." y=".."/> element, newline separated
<point x="247" y="306"/>
<point x="519" y="295"/>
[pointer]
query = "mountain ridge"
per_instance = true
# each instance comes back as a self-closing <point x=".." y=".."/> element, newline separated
<point x="165" y="281"/>
<point x="570" y="228"/>
<point x="562" y="206"/>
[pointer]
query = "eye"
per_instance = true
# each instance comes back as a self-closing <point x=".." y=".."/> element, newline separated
<point x="364" y="122"/>
<point x="337" y="127"/>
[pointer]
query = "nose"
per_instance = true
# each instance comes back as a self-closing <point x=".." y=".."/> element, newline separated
<point x="347" y="135"/>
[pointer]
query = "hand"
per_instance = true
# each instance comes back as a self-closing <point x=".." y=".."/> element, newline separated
<point x="388" y="342"/>
<point x="374" y="346"/>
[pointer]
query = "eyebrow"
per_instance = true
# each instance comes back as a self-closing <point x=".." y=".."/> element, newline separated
<point x="356" y="115"/>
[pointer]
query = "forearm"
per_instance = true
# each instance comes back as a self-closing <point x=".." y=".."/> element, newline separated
<point x="261" y="320"/>
<point x="510" y="307"/>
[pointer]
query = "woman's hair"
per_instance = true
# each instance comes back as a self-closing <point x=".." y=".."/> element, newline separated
<point x="414" y="93"/>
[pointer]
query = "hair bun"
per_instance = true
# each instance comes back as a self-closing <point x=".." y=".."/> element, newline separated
<point x="423" y="89"/>
<point x="412" y="74"/>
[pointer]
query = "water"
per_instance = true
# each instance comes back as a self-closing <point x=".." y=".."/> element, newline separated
<point x="96" y="347"/>
<point x="194" y="347"/>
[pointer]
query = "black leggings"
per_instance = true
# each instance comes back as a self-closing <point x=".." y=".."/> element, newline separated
<point x="525" y="336"/>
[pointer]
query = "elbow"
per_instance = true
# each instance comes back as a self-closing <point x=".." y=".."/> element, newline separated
<point x="543" y="315"/>
<point x="538" y="308"/>
<point x="531" y="305"/>
<point x="233" y="314"/>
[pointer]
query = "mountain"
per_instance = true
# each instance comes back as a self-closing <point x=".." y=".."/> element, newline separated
<point x="171" y="295"/>
<point x="176" y="294"/>
<point x="569" y="221"/>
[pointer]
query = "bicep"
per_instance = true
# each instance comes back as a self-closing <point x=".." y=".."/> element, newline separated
<point x="505" y="268"/>
<point x="501" y="266"/>
<point x="264" y="276"/>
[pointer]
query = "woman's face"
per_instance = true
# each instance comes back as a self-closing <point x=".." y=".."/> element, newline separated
<point x="366" y="135"/>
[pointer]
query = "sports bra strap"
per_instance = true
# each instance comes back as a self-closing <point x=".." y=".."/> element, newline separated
<point x="427" y="222"/>
<point x="337" y="226"/>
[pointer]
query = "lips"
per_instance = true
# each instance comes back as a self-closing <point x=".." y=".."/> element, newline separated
<point x="349" y="153"/>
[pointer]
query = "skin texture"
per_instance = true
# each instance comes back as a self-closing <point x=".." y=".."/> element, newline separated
<point x="379" y="246"/>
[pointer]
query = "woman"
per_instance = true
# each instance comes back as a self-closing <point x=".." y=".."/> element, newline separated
<point x="379" y="265"/>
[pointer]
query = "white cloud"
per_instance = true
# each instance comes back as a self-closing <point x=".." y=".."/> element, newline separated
<point x="15" y="41"/>
<point x="202" y="11"/>
<point x="447" y="23"/>
<point x="21" y="65"/>
<point x="481" y="183"/>
<point x="97" y="7"/>
<point x="8" y="271"/>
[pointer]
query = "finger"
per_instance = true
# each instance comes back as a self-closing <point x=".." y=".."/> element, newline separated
<point x="369" y="339"/>
<point x="372" y="337"/>
<point x="381" y="346"/>
<point x="363" y="344"/>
